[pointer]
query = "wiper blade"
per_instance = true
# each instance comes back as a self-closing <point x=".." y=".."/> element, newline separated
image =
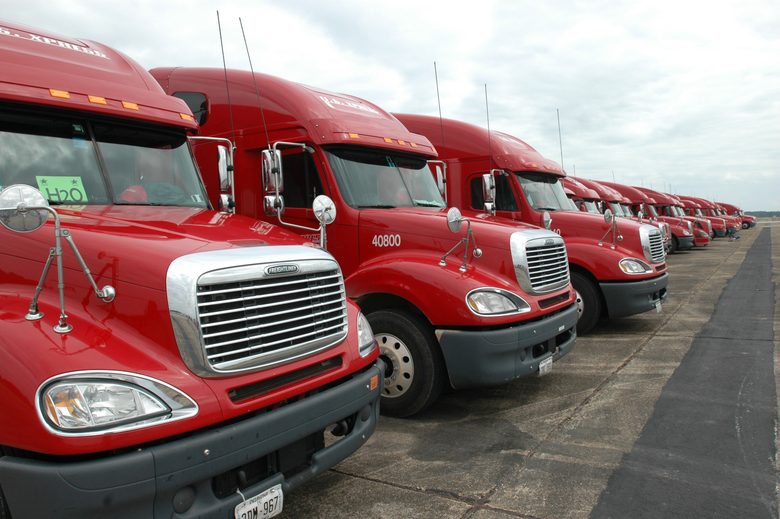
<point x="376" y="207"/>
<point x="426" y="203"/>
<point x="546" y="209"/>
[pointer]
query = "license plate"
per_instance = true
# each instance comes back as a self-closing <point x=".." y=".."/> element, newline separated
<point x="262" y="506"/>
<point x="658" y="307"/>
<point x="545" y="366"/>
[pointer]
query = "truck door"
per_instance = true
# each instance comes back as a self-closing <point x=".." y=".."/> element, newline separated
<point x="506" y="202"/>
<point x="302" y="184"/>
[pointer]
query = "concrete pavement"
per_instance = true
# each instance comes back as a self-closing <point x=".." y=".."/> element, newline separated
<point x="540" y="447"/>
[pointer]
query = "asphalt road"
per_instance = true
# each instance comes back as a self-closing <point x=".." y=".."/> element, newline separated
<point x="667" y="414"/>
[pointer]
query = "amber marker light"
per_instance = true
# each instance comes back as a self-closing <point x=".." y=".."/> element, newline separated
<point x="413" y="145"/>
<point x="97" y="100"/>
<point x="387" y="139"/>
<point x="187" y="117"/>
<point x="129" y="106"/>
<point x="59" y="93"/>
<point x="402" y="143"/>
<point x="354" y="136"/>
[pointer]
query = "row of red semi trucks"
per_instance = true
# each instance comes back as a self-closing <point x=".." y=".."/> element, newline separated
<point x="183" y="361"/>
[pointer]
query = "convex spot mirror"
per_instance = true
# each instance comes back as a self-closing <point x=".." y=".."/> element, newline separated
<point x="454" y="219"/>
<point x="14" y="219"/>
<point x="324" y="210"/>
<point x="608" y="216"/>
<point x="546" y="220"/>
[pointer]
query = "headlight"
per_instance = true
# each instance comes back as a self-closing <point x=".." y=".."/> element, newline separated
<point x="496" y="301"/>
<point x="634" y="266"/>
<point x="366" y="342"/>
<point x="687" y="233"/>
<point x="89" y="403"/>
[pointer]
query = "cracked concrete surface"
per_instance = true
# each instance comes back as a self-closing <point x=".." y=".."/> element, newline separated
<point x="538" y="447"/>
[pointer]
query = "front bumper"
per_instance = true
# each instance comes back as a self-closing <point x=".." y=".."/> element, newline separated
<point x="626" y="298"/>
<point x="490" y="357"/>
<point x="720" y="233"/>
<point x="175" y="479"/>
<point x="684" y="242"/>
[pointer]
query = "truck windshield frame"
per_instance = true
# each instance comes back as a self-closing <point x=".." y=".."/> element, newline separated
<point x="382" y="179"/>
<point x="80" y="160"/>
<point x="543" y="192"/>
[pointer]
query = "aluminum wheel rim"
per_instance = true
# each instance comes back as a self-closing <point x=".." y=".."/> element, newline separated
<point x="399" y="366"/>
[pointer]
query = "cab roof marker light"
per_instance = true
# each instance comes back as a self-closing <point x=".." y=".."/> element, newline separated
<point x="354" y="136"/>
<point x="97" y="100"/>
<point x="402" y="143"/>
<point x="59" y="93"/>
<point x="187" y="117"/>
<point x="413" y="145"/>
<point x="129" y="106"/>
<point x="387" y="139"/>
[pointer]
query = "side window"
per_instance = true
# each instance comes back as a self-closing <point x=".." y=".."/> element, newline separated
<point x="505" y="198"/>
<point x="197" y="103"/>
<point x="302" y="182"/>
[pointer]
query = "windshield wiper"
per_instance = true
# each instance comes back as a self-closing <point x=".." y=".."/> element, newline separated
<point x="426" y="203"/>
<point x="545" y="208"/>
<point x="376" y="207"/>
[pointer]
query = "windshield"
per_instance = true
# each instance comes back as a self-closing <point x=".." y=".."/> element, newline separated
<point x="698" y="213"/>
<point x="590" y="205"/>
<point x="543" y="192"/>
<point x="617" y="209"/>
<point x="627" y="210"/>
<point x="382" y="179"/>
<point x="651" y="210"/>
<point x="82" y="162"/>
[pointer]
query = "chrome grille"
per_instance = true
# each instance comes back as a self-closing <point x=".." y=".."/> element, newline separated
<point x="251" y="319"/>
<point x="548" y="266"/>
<point x="255" y="308"/>
<point x="657" y="248"/>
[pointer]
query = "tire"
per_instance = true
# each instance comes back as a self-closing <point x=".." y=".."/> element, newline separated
<point x="414" y="366"/>
<point x="589" y="299"/>
<point x="745" y="225"/>
<point x="675" y="244"/>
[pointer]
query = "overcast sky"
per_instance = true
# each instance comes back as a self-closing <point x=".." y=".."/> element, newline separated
<point x="664" y="93"/>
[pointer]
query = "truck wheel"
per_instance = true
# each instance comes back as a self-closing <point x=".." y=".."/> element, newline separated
<point x="414" y="368"/>
<point x="675" y="244"/>
<point x="745" y="225"/>
<point x="588" y="298"/>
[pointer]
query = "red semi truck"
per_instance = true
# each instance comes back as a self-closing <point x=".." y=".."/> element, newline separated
<point x="733" y="210"/>
<point x="710" y="211"/>
<point x="170" y="360"/>
<point x="443" y="310"/>
<point x="667" y="209"/>
<point x="616" y="267"/>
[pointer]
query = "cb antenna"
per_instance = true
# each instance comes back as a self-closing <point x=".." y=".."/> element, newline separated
<point x="227" y="87"/>
<point x="560" y="140"/>
<point x="441" y="124"/>
<point x="257" y="91"/>
<point x="487" y="112"/>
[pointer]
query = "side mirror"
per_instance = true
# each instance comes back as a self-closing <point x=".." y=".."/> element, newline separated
<point x="608" y="216"/>
<point x="640" y="215"/>
<point x="15" y="216"/>
<point x="224" y="167"/>
<point x="272" y="172"/>
<point x="273" y="204"/>
<point x="489" y="192"/>
<point x="440" y="180"/>
<point x="454" y="219"/>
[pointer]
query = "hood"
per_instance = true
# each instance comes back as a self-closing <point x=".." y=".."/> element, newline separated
<point x="136" y="244"/>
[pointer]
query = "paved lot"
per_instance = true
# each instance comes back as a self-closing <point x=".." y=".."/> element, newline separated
<point x="550" y="447"/>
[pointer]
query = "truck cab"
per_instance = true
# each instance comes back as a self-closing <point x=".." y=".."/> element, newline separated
<point x="157" y="358"/>
<point x="618" y="267"/>
<point x="454" y="298"/>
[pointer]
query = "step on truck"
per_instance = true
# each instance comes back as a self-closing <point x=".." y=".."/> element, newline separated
<point x="157" y="358"/>
<point x="486" y="305"/>
<point x="618" y="268"/>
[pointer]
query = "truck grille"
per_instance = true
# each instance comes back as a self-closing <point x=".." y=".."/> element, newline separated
<point x="657" y="248"/>
<point x="248" y="309"/>
<point x="548" y="266"/>
<point x="540" y="261"/>
<point x="252" y="319"/>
